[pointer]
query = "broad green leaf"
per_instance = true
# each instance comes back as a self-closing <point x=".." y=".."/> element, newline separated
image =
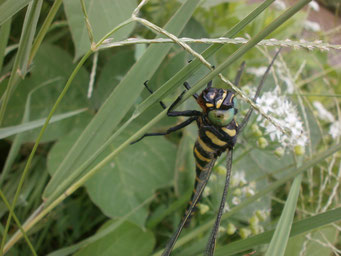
<point x="132" y="177"/>
<point x="112" y="72"/>
<point x="129" y="179"/>
<point x="51" y="64"/>
<point x="117" y="105"/>
<point x="11" y="7"/>
<point x="103" y="15"/>
<point x="128" y="239"/>
<point x="12" y="130"/>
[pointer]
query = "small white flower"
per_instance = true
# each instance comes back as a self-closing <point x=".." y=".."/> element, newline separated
<point x="335" y="129"/>
<point x="285" y="114"/>
<point x="226" y="208"/>
<point x="257" y="71"/>
<point x="323" y="113"/>
<point x="314" y="5"/>
<point x="238" y="179"/>
<point x="235" y="200"/>
<point x="207" y="191"/>
<point x="279" y="5"/>
<point x="311" y="25"/>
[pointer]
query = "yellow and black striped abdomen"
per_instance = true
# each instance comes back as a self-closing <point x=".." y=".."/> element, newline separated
<point x="204" y="155"/>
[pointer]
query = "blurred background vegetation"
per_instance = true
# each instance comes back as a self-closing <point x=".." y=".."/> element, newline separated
<point x="134" y="202"/>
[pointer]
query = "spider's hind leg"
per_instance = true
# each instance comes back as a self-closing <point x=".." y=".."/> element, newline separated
<point x="151" y="92"/>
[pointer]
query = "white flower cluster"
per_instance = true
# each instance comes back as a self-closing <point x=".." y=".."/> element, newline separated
<point x="242" y="187"/>
<point x="325" y="115"/>
<point x="276" y="105"/>
<point x="335" y="129"/>
<point x="312" y="26"/>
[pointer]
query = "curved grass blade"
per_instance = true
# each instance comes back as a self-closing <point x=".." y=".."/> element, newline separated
<point x="10" y="7"/>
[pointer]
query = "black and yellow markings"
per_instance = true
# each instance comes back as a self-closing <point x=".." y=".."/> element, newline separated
<point x="232" y="97"/>
<point x="209" y="105"/>
<point x="201" y="168"/>
<point x="200" y="156"/>
<point x="220" y="101"/>
<point x="214" y="139"/>
<point x="230" y="132"/>
<point x="203" y="145"/>
<point x="235" y="121"/>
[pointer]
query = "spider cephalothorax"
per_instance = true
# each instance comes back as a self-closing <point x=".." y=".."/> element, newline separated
<point x="219" y="105"/>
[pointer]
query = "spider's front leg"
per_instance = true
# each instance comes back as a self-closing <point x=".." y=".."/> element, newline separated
<point x="193" y="114"/>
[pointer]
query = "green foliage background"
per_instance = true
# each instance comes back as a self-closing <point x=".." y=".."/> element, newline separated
<point x="99" y="195"/>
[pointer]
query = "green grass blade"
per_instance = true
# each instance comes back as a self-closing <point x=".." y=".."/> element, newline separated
<point x="21" y="59"/>
<point x="44" y="28"/>
<point x="4" y="35"/>
<point x="11" y="7"/>
<point x="280" y="239"/>
<point x="18" y="223"/>
<point x="27" y="126"/>
<point x="299" y="227"/>
<point x="117" y="105"/>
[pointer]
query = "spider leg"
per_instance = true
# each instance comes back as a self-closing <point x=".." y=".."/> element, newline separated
<point x="239" y="74"/>
<point x="170" y="111"/>
<point x="248" y="114"/>
<point x="199" y="189"/>
<point x="151" y="92"/>
<point x="187" y="86"/>
<point x="170" y="130"/>
<point x="213" y="236"/>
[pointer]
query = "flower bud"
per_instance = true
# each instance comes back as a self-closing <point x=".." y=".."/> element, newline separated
<point x="262" y="142"/>
<point x="231" y="229"/>
<point x="221" y="170"/>
<point x="299" y="150"/>
<point x="244" y="232"/>
<point x="279" y="151"/>
<point x="256" y="131"/>
<point x="203" y="208"/>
